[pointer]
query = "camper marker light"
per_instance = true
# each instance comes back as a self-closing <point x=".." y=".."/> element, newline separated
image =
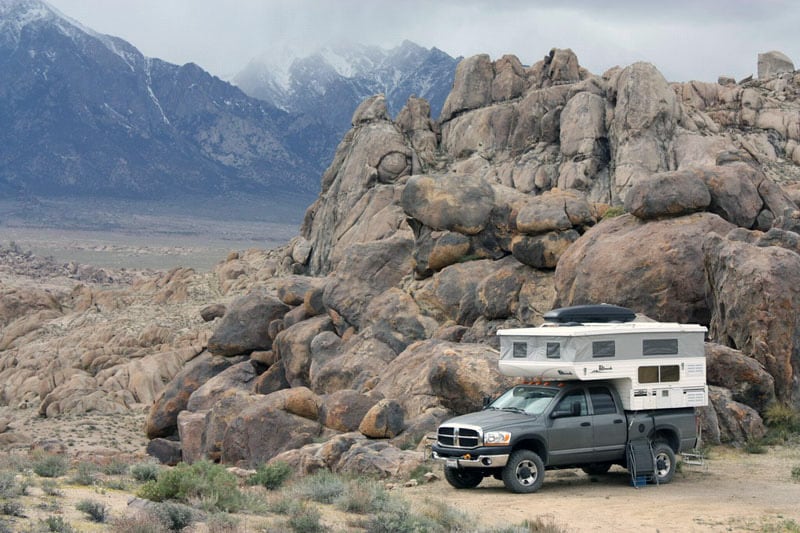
<point x="496" y="438"/>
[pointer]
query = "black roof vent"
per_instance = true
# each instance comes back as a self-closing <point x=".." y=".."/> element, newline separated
<point x="590" y="313"/>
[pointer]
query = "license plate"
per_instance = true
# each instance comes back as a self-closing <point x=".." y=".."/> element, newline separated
<point x="451" y="463"/>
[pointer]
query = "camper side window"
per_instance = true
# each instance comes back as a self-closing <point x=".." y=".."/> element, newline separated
<point x="659" y="374"/>
<point x="603" y="349"/>
<point x="554" y="350"/>
<point x="660" y="347"/>
<point x="520" y="350"/>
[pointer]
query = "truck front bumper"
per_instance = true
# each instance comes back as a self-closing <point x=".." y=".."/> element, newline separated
<point x="469" y="461"/>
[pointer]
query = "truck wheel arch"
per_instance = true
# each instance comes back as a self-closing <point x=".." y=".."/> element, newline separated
<point x="534" y="445"/>
<point x="668" y="436"/>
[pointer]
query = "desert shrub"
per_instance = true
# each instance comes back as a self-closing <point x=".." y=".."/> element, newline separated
<point x="419" y="472"/>
<point x="323" y="487"/>
<point x="536" y="525"/>
<point x="49" y="465"/>
<point x="782" y="418"/>
<point x="85" y="474"/>
<point x="175" y="516"/>
<point x="203" y="481"/>
<point x="796" y="473"/>
<point x="12" y="508"/>
<point x="362" y="497"/>
<point x="447" y="517"/>
<point x="397" y="517"/>
<point x="141" y="522"/>
<point x="285" y="505"/>
<point x="145" y="471"/>
<point x="9" y="488"/>
<point x="271" y="476"/>
<point x="755" y="446"/>
<point x="56" y="524"/>
<point x="116" y="468"/>
<point x="5" y="527"/>
<point x="222" y="523"/>
<point x="50" y="487"/>
<point x="306" y="520"/>
<point x="614" y="212"/>
<point x="96" y="511"/>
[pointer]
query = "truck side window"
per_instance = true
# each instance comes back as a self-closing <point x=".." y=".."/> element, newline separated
<point x="564" y="407"/>
<point x="602" y="401"/>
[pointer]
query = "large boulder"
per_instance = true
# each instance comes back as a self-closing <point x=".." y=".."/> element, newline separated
<point x="355" y="364"/>
<point x="395" y="319"/>
<point x="434" y="373"/>
<point x="727" y="421"/>
<point x="655" y="268"/>
<point x="344" y="410"/>
<point x="745" y="377"/>
<point x="367" y="270"/>
<point x="755" y="293"/>
<point x="472" y="86"/>
<point x="293" y="347"/>
<point x="245" y="326"/>
<point x="162" y="420"/>
<point x="773" y="63"/>
<point x="455" y="203"/>
<point x="672" y="194"/>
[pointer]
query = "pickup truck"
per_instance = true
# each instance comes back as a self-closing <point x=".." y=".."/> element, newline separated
<point x="565" y="424"/>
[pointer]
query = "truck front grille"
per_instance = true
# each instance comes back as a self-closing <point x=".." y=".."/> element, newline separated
<point x="459" y="437"/>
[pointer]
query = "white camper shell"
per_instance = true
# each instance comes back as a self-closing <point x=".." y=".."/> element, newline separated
<point x="653" y="365"/>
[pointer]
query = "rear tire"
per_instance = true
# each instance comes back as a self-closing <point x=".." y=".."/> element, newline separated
<point x="665" y="462"/>
<point x="524" y="472"/>
<point x="462" y="479"/>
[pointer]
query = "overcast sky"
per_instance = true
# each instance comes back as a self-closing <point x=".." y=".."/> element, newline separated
<point x="685" y="39"/>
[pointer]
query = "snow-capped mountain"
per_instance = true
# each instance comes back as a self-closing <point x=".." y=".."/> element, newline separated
<point x="331" y="82"/>
<point x="83" y="113"/>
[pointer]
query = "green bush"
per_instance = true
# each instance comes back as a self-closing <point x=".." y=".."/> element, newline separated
<point x="222" y="523"/>
<point x="306" y="520"/>
<point x="116" y="468"/>
<point x="323" y="487"/>
<point x="11" y="508"/>
<point x="50" y="465"/>
<point x="96" y="511"/>
<point x="9" y="488"/>
<point x="362" y="497"/>
<point x="141" y="522"/>
<point x="56" y="524"/>
<point x="51" y="488"/>
<point x="782" y="417"/>
<point x="271" y="476"/>
<point x="201" y="481"/>
<point x="614" y="212"/>
<point x="86" y="474"/>
<point x="145" y="471"/>
<point x="175" y="516"/>
<point x="755" y="446"/>
<point x="796" y="473"/>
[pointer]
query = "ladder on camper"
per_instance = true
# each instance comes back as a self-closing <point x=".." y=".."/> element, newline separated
<point x="641" y="462"/>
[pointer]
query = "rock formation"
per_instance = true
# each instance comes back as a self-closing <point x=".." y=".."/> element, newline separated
<point x="540" y="186"/>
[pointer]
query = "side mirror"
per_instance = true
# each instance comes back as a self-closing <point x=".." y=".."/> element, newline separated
<point x="576" y="409"/>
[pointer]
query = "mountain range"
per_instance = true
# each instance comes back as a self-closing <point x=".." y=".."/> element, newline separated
<point x="330" y="82"/>
<point x="87" y="114"/>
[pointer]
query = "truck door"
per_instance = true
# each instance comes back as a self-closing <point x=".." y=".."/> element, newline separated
<point x="610" y="431"/>
<point x="569" y="436"/>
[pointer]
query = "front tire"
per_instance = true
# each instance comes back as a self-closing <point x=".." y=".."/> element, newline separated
<point x="462" y="479"/>
<point x="524" y="472"/>
<point x="665" y="462"/>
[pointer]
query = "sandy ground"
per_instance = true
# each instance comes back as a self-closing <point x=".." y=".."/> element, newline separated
<point x="733" y="491"/>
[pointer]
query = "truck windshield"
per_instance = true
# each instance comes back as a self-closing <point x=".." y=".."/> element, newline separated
<point x="528" y="399"/>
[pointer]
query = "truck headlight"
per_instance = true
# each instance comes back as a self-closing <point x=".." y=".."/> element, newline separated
<point x="496" y="438"/>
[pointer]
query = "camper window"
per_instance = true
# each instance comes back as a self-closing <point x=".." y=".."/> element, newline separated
<point x="553" y="350"/>
<point x="603" y="349"/>
<point x="659" y="374"/>
<point x="520" y="349"/>
<point x="660" y="347"/>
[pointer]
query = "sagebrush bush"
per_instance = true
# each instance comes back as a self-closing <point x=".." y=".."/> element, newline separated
<point x="323" y="487"/>
<point x="222" y="523"/>
<point x="141" y="522"/>
<point x="200" y="481"/>
<point x="145" y="471"/>
<point x="116" y="468"/>
<point x="796" y="473"/>
<point x="50" y="465"/>
<point x="85" y="474"/>
<point x="9" y="488"/>
<point x="782" y="417"/>
<point x="306" y="520"/>
<point x="56" y="524"/>
<point x="12" y="508"/>
<point x="362" y="497"/>
<point x="96" y="511"/>
<point x="50" y="487"/>
<point x="175" y="516"/>
<point x="271" y="476"/>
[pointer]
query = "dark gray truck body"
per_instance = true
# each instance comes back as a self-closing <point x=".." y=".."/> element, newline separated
<point x="568" y="424"/>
